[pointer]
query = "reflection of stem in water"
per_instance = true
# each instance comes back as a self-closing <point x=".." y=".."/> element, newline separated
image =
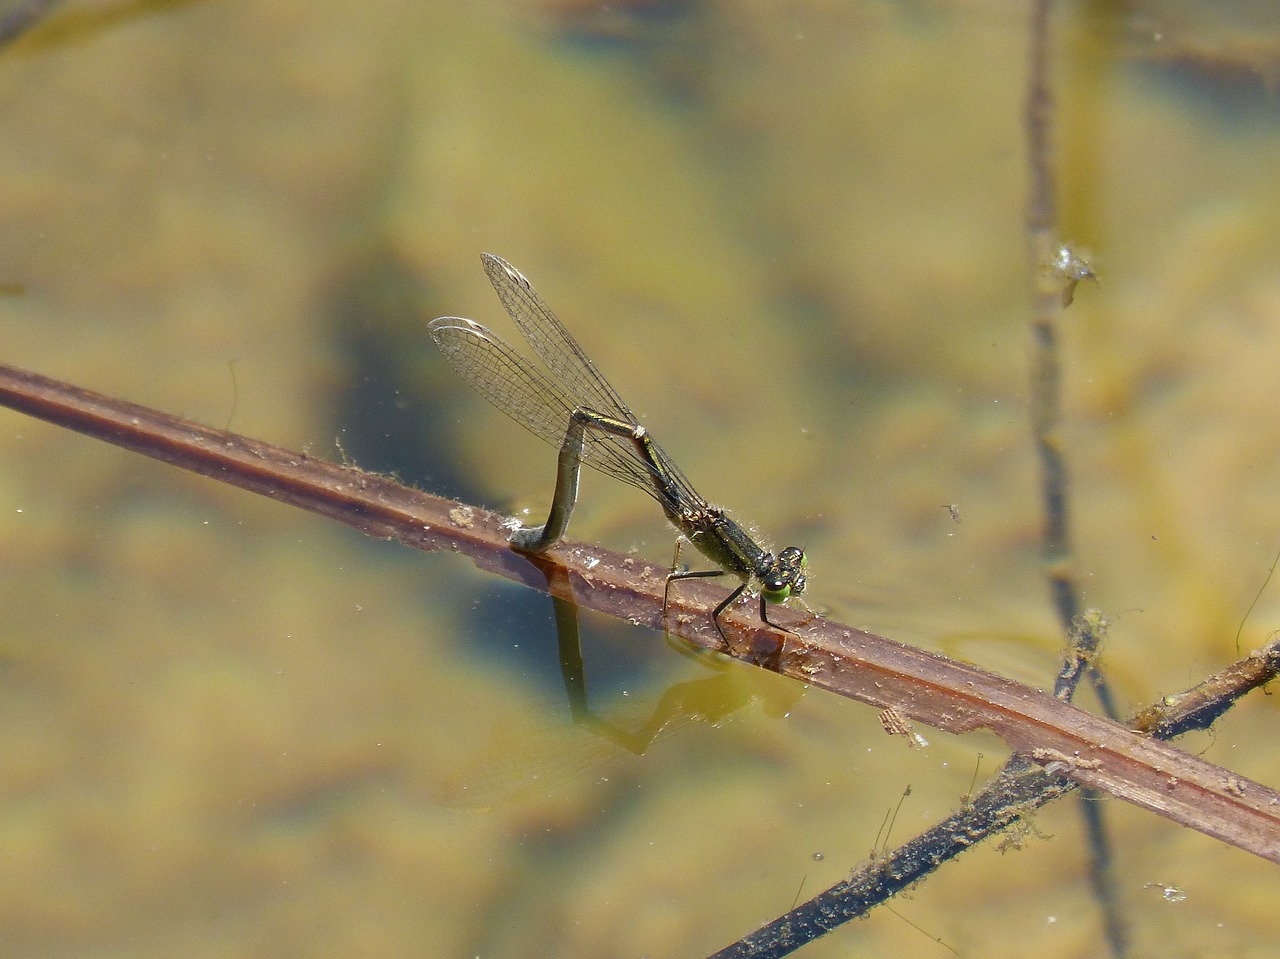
<point x="539" y="754"/>
<point x="525" y="756"/>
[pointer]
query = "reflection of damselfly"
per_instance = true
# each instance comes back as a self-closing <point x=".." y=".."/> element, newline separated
<point x="576" y="410"/>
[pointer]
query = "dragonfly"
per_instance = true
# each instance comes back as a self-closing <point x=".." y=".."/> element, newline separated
<point x="571" y="406"/>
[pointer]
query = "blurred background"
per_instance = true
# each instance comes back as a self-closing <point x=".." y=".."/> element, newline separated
<point x="792" y="236"/>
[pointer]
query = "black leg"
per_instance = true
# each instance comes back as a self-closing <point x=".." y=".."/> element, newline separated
<point x="715" y="616"/>
<point x="769" y="622"/>
<point x="685" y="574"/>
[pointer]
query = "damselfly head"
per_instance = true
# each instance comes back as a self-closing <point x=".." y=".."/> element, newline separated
<point x="785" y="577"/>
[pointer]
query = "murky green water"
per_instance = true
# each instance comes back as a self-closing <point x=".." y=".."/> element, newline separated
<point x="232" y="730"/>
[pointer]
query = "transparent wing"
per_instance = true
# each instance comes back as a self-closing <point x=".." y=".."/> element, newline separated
<point x="508" y="380"/>
<point x="552" y="343"/>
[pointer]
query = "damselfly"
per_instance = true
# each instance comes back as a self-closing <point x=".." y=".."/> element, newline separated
<point x="575" y="409"/>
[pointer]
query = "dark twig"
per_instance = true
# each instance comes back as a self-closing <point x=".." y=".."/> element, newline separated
<point x="1009" y="797"/>
<point x="1021" y="787"/>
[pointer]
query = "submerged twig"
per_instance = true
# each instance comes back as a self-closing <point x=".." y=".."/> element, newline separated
<point x="1048" y="294"/>
<point x="1021" y="787"/>
<point x="1055" y="272"/>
